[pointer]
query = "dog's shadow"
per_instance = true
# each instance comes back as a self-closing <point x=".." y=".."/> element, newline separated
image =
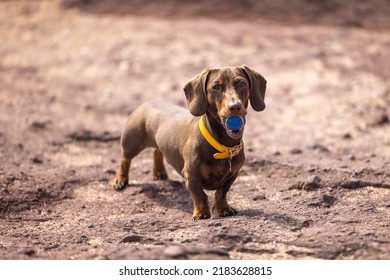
<point x="170" y="194"/>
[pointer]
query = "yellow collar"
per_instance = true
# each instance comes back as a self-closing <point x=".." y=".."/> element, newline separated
<point x="224" y="152"/>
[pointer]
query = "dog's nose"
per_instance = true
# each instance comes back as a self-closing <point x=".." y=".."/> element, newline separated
<point x="235" y="106"/>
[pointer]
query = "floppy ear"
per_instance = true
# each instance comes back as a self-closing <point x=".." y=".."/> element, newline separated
<point x="195" y="91"/>
<point x="257" y="88"/>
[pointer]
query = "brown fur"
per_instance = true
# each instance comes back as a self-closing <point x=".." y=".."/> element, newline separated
<point x="175" y="134"/>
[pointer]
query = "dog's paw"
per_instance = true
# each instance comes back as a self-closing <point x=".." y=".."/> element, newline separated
<point x="225" y="212"/>
<point x="160" y="176"/>
<point x="120" y="183"/>
<point x="201" y="216"/>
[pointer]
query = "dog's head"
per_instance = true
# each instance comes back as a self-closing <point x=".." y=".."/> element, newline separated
<point x="226" y="92"/>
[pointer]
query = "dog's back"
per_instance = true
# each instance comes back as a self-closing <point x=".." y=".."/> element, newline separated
<point x="155" y="124"/>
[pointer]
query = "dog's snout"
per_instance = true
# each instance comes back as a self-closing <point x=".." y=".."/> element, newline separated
<point x="235" y="107"/>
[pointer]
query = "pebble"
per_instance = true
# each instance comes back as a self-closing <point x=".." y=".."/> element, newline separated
<point x="27" y="251"/>
<point x="37" y="160"/>
<point x="296" y="151"/>
<point x="347" y="136"/>
<point x="321" y="148"/>
<point x="328" y="200"/>
<point x="380" y="119"/>
<point x="214" y="223"/>
<point x="312" y="183"/>
<point x="311" y="169"/>
<point x="132" y="238"/>
<point x="174" y="251"/>
<point x="258" y="197"/>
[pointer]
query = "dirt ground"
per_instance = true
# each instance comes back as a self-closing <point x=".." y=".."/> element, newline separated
<point x="316" y="182"/>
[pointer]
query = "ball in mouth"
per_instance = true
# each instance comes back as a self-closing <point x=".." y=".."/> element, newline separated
<point x="234" y="126"/>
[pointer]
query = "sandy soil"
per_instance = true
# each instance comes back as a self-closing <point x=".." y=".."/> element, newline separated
<point x="316" y="183"/>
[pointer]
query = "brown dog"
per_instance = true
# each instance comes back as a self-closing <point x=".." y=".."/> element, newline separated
<point x="191" y="144"/>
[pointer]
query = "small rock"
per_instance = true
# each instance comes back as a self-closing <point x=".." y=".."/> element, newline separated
<point x="358" y="173"/>
<point x="297" y="186"/>
<point x="39" y="125"/>
<point x="51" y="246"/>
<point x="328" y="200"/>
<point x="214" y="223"/>
<point x="312" y="183"/>
<point x="83" y="238"/>
<point x="132" y="238"/>
<point x="258" y="197"/>
<point x="313" y="179"/>
<point x="306" y="223"/>
<point x="311" y="169"/>
<point x="380" y="119"/>
<point x="188" y="240"/>
<point x="37" y="160"/>
<point x="347" y="136"/>
<point x="27" y="251"/>
<point x="174" y="251"/>
<point x="296" y="151"/>
<point x="319" y="147"/>
<point x="110" y="171"/>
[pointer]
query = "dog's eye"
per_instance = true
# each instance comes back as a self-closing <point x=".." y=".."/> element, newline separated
<point x="241" y="84"/>
<point x="216" y="87"/>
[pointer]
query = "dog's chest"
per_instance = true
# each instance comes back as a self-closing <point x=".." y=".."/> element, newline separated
<point x="214" y="174"/>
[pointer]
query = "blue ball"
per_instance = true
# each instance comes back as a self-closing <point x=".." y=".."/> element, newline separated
<point x="234" y="123"/>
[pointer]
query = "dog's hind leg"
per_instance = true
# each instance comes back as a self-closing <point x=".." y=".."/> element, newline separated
<point x="133" y="141"/>
<point x="159" y="172"/>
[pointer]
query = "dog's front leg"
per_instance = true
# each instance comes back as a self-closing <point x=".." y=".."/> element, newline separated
<point x="199" y="199"/>
<point x="221" y="208"/>
<point x="122" y="175"/>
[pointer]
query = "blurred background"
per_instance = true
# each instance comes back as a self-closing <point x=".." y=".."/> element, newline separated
<point x="82" y="64"/>
<point x="316" y="180"/>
